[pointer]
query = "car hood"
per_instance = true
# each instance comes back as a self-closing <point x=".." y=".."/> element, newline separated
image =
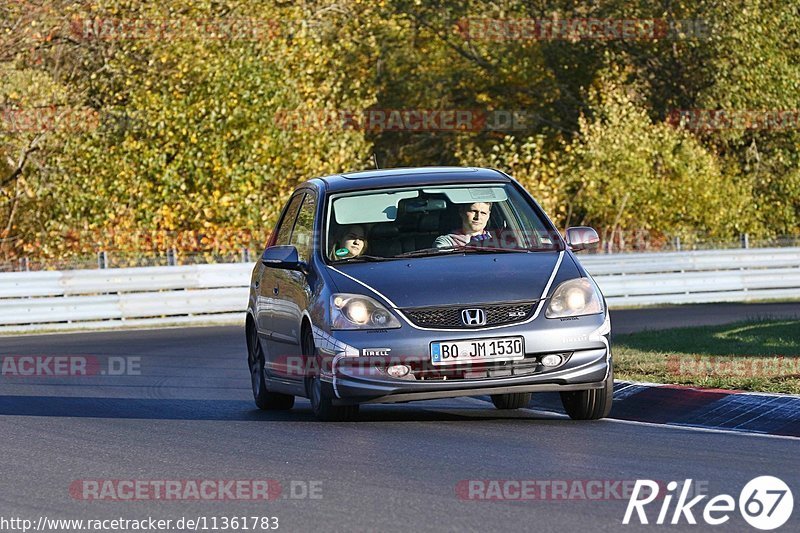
<point x="454" y="279"/>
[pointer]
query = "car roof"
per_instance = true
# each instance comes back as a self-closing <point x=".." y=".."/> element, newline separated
<point x="398" y="177"/>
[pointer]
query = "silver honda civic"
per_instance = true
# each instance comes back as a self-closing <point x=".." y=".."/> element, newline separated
<point x="423" y="283"/>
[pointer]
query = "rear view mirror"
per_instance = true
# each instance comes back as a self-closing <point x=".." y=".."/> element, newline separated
<point x="582" y="238"/>
<point x="425" y="206"/>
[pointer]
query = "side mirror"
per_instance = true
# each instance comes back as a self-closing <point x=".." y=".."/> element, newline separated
<point x="582" y="238"/>
<point x="284" y="256"/>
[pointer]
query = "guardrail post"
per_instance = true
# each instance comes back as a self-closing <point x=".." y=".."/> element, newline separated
<point x="245" y="255"/>
<point x="745" y="240"/>
<point x="102" y="259"/>
<point x="23" y="264"/>
<point x="678" y="244"/>
<point x="171" y="257"/>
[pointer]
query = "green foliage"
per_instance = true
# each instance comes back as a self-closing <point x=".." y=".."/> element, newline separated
<point x="625" y="172"/>
<point x="193" y="127"/>
<point x="188" y="137"/>
<point x="539" y="169"/>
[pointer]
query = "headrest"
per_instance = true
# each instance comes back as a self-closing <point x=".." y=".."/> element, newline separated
<point x="429" y="222"/>
<point x="384" y="231"/>
<point x="450" y="220"/>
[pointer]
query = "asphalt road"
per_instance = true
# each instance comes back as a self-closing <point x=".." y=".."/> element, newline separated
<point x="184" y="412"/>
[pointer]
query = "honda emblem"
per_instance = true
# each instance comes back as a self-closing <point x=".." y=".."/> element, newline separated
<point x="473" y="317"/>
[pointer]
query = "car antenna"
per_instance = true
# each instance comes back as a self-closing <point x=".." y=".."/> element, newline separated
<point x="375" y="160"/>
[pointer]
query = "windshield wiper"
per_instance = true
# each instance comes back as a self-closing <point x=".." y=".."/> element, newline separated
<point x="429" y="251"/>
<point x="466" y="249"/>
<point x="494" y="249"/>
<point x="365" y="258"/>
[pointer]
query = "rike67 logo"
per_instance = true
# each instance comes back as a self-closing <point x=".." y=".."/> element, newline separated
<point x="765" y="503"/>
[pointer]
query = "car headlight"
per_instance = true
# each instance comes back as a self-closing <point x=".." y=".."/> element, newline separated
<point x="355" y="311"/>
<point x="575" y="297"/>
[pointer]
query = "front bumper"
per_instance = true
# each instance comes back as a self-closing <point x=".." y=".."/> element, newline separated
<point x="355" y="382"/>
<point x="356" y="378"/>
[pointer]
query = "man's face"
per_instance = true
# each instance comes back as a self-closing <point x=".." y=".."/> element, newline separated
<point x="475" y="216"/>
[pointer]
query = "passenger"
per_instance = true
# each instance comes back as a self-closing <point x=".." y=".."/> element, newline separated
<point x="474" y="218"/>
<point x="351" y="242"/>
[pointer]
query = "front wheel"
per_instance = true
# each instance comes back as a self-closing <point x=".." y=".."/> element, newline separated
<point x="591" y="404"/>
<point x="322" y="404"/>
<point x="268" y="401"/>
<point x="514" y="400"/>
<point x="320" y="394"/>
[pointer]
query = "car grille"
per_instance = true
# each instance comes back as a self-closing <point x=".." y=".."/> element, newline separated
<point x="450" y="316"/>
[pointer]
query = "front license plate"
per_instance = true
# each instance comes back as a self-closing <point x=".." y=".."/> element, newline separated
<point x="477" y="351"/>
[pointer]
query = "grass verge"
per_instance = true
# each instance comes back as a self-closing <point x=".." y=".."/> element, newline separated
<point x="754" y="356"/>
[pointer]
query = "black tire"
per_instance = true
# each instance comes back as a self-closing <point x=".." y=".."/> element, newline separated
<point x="514" y="400"/>
<point x="268" y="401"/>
<point x="320" y="394"/>
<point x="592" y="404"/>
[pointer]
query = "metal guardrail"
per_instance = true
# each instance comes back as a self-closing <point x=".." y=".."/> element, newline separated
<point x="109" y="298"/>
<point x="146" y="296"/>
<point x="696" y="277"/>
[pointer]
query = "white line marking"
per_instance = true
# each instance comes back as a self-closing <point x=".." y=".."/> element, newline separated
<point x="705" y="430"/>
<point x="652" y="424"/>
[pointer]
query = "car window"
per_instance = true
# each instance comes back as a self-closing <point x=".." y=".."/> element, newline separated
<point x="303" y="234"/>
<point x="284" y="229"/>
<point x="429" y="220"/>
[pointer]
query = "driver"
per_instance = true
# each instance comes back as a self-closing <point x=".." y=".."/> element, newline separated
<point x="474" y="218"/>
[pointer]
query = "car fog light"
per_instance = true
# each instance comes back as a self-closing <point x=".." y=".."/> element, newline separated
<point x="551" y="360"/>
<point x="398" y="371"/>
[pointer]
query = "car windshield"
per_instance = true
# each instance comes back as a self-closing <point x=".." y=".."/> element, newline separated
<point x="385" y="224"/>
